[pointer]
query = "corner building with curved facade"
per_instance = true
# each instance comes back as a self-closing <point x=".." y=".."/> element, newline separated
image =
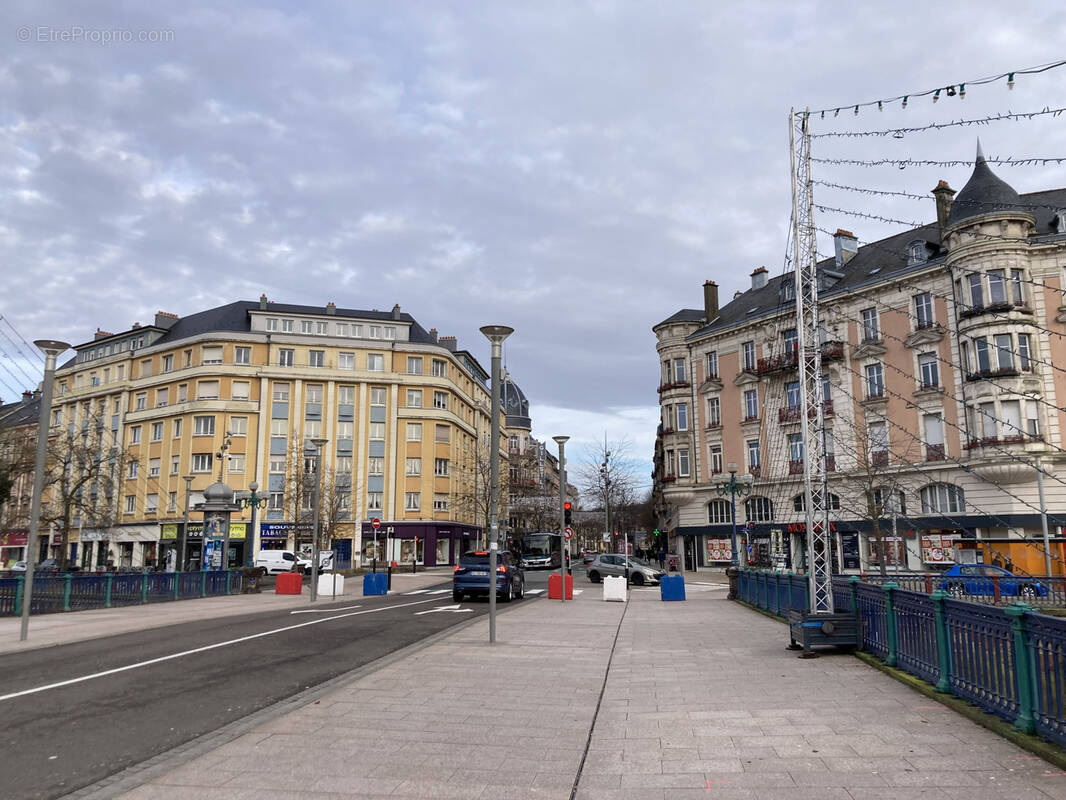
<point x="400" y="409"/>
<point x="944" y="379"/>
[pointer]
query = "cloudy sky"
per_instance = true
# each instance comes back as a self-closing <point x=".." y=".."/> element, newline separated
<point x="573" y="169"/>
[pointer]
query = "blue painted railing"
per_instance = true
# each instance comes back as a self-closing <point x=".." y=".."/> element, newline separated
<point x="1009" y="661"/>
<point x="53" y="593"/>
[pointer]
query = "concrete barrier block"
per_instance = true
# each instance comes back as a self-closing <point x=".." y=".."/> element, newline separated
<point x="614" y="588"/>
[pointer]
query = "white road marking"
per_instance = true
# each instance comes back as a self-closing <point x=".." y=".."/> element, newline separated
<point x="322" y="610"/>
<point x="454" y="609"/>
<point x="417" y="591"/>
<point x="440" y="591"/>
<point x="203" y="649"/>
<point x="534" y="591"/>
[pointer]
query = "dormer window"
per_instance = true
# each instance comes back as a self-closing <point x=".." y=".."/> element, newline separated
<point x="788" y="290"/>
<point x="916" y="253"/>
<point x="1058" y="221"/>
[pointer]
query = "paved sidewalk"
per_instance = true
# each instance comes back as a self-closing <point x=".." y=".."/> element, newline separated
<point x="699" y="699"/>
<point x="47" y="630"/>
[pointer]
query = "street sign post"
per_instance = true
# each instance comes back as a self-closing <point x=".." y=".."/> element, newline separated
<point x="569" y="532"/>
<point x="375" y="523"/>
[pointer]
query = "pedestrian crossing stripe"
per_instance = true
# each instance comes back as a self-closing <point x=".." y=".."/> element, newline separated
<point x="418" y="591"/>
<point x="439" y="591"/>
<point x="427" y="591"/>
<point x="534" y="591"/>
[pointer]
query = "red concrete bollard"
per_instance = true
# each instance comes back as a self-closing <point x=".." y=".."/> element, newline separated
<point x="289" y="583"/>
<point x="554" y="592"/>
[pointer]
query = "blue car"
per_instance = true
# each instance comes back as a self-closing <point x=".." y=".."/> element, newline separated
<point x="976" y="579"/>
<point x="471" y="576"/>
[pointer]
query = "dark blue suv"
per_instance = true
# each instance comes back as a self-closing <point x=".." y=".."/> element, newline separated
<point x="471" y="576"/>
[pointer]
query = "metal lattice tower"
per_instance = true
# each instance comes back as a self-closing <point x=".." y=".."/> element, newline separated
<point x="810" y="337"/>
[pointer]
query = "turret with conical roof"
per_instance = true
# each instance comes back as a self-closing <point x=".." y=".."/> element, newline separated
<point x="985" y="193"/>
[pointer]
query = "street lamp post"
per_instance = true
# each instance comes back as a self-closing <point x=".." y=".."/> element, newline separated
<point x="51" y="349"/>
<point x="561" y="441"/>
<point x="733" y="487"/>
<point x="495" y="334"/>
<point x="252" y="501"/>
<point x="183" y="543"/>
<point x="319" y="453"/>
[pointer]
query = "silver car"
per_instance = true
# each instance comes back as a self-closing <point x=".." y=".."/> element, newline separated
<point x="640" y="572"/>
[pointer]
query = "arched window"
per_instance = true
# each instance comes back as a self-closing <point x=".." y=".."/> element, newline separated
<point x="718" y="512"/>
<point x="943" y="498"/>
<point x="799" y="503"/>
<point x="883" y="499"/>
<point x="759" y="509"/>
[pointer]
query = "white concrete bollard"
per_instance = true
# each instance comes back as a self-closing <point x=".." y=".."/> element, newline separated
<point x="326" y="587"/>
<point x="614" y="588"/>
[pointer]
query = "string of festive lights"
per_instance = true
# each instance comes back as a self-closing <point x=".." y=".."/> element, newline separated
<point x="949" y="90"/>
<point x="903" y="163"/>
<point x="33" y="350"/>
<point x="925" y="198"/>
<point x="899" y="133"/>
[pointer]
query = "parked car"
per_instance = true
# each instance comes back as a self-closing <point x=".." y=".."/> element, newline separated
<point x="18" y="566"/>
<point x="588" y="558"/>
<point x="976" y="579"/>
<point x="276" y="561"/>
<point x="47" y="565"/>
<point x="471" y="576"/>
<point x="640" y="572"/>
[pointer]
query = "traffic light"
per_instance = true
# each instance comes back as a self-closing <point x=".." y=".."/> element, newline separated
<point x="568" y="513"/>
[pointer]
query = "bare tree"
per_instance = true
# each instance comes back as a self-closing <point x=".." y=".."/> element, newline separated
<point x="17" y="452"/>
<point x="607" y="477"/>
<point x="472" y="496"/>
<point x="873" y="487"/>
<point x="82" y="470"/>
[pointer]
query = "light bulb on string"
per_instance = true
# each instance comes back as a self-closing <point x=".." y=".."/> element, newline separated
<point x="951" y="91"/>
<point x="1010" y="80"/>
<point x="836" y="113"/>
<point x="856" y="111"/>
<point x="962" y="90"/>
<point x="879" y="106"/>
<point x="904" y="101"/>
<point x="936" y="95"/>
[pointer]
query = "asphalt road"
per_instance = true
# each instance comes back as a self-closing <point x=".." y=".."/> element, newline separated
<point x="62" y="731"/>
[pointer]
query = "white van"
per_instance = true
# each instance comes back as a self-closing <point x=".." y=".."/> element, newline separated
<point x="275" y="561"/>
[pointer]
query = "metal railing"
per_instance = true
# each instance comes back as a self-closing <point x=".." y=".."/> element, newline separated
<point x="1045" y="592"/>
<point x="1008" y="660"/>
<point x="76" y="592"/>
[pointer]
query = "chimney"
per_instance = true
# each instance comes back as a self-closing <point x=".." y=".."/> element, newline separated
<point x="944" y="195"/>
<point x="710" y="300"/>
<point x="165" y="320"/>
<point x="101" y="335"/>
<point x="331" y="308"/>
<point x="262" y="302"/>
<point x="759" y="278"/>
<point x="136" y="325"/>
<point x="845" y="246"/>
<point x="396" y="311"/>
<point x="449" y="342"/>
<point x="27" y="396"/>
<point x="737" y="294"/>
<point x="433" y="334"/>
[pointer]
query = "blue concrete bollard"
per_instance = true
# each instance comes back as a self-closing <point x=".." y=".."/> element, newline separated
<point x="375" y="583"/>
<point x="672" y="587"/>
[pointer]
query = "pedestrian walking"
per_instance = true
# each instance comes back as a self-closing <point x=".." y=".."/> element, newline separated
<point x="662" y="558"/>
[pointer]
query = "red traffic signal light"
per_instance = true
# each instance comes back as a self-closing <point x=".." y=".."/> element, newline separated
<point x="567" y="512"/>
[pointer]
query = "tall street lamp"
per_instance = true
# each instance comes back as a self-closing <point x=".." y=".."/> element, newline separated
<point x="561" y="441"/>
<point x="320" y="445"/>
<point x="51" y="349"/>
<point x="252" y="501"/>
<point x="495" y="334"/>
<point x="183" y="543"/>
<point x="733" y="487"/>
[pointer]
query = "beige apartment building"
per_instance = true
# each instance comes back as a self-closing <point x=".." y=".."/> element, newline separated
<point x="944" y="375"/>
<point x="237" y="392"/>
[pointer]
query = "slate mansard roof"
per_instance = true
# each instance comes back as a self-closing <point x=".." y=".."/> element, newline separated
<point x="984" y="193"/>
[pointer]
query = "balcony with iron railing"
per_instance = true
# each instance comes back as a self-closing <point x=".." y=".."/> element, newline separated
<point x="792" y="413"/>
<point x="675" y="385"/>
<point x="789" y="360"/>
<point x="999" y="441"/>
<point x="934" y="452"/>
<point x="879" y="458"/>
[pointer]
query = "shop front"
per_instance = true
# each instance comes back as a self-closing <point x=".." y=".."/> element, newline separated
<point x="427" y="543"/>
<point x="13" y="547"/>
<point x="276" y="535"/>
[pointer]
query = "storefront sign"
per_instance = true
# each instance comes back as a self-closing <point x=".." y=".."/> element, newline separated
<point x="14" y="538"/>
<point x="282" y="530"/>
